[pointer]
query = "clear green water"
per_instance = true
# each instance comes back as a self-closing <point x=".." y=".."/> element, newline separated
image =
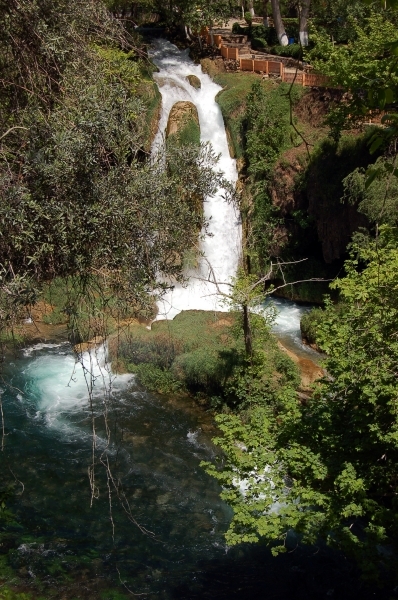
<point x="62" y="546"/>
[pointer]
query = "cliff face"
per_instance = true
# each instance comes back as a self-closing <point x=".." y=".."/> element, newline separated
<point x="335" y="222"/>
<point x="308" y="191"/>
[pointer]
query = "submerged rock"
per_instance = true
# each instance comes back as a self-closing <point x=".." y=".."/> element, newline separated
<point x="194" y="81"/>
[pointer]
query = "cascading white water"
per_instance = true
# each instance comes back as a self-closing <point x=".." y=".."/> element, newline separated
<point x="59" y="386"/>
<point x="222" y="248"/>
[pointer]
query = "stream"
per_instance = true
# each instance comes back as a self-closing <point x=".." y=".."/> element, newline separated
<point x="164" y="535"/>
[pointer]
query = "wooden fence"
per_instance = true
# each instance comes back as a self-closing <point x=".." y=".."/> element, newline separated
<point x="273" y="67"/>
<point x="227" y="52"/>
<point x="266" y="66"/>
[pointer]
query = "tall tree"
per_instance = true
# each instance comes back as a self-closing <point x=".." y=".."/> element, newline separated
<point x="280" y="28"/>
<point x="303" y="26"/>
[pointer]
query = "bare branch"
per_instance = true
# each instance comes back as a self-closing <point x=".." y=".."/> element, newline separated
<point x="12" y="129"/>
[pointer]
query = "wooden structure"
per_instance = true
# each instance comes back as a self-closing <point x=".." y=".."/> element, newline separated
<point x="265" y="66"/>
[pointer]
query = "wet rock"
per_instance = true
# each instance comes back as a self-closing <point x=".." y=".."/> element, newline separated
<point x="309" y="371"/>
<point x="194" y="81"/>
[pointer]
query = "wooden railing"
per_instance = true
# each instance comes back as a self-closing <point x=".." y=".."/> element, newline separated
<point x="273" y="67"/>
<point x="265" y="66"/>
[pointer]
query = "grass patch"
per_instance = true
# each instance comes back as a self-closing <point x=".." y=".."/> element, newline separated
<point x="232" y="101"/>
<point x="198" y="352"/>
<point x="189" y="133"/>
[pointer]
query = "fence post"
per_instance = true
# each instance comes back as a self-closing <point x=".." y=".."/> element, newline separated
<point x="253" y="66"/>
<point x="266" y="68"/>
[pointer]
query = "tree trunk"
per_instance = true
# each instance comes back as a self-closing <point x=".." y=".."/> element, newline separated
<point x="305" y="11"/>
<point x="243" y="9"/>
<point x="265" y="15"/>
<point x="211" y="36"/>
<point x="280" y="29"/>
<point x="251" y="9"/>
<point x="247" y="332"/>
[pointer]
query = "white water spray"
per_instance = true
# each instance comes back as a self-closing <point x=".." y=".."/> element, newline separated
<point x="222" y="249"/>
<point x="60" y="385"/>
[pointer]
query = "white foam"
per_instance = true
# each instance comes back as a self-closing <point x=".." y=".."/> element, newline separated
<point x="60" y="384"/>
<point x="222" y="249"/>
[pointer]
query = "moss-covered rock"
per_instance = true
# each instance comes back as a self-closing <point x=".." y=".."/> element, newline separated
<point x="194" y="81"/>
<point x="183" y="123"/>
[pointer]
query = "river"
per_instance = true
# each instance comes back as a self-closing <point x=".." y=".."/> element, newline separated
<point x="163" y="536"/>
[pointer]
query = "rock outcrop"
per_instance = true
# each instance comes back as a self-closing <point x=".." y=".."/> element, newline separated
<point x="194" y="81"/>
<point x="180" y="115"/>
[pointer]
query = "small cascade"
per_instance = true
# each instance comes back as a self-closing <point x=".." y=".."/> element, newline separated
<point x="222" y="248"/>
<point x="57" y="385"/>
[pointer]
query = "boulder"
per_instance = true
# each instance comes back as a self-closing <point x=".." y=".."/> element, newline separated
<point x="194" y="81"/>
<point x="180" y="115"/>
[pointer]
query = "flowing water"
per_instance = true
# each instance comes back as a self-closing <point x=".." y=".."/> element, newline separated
<point x="287" y="327"/>
<point x="223" y="247"/>
<point x="155" y="451"/>
<point x="164" y="535"/>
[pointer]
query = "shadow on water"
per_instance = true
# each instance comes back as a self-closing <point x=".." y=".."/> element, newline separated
<point x="303" y="574"/>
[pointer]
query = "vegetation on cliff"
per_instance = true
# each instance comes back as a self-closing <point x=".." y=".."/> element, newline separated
<point x="80" y="197"/>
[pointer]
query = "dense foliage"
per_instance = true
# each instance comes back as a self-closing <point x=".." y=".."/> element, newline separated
<point x="267" y="129"/>
<point x="328" y="468"/>
<point x="79" y="194"/>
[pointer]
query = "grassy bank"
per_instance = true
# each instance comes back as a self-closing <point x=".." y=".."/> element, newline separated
<point x="202" y="353"/>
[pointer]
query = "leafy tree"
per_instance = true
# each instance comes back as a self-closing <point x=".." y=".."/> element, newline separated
<point x="378" y="201"/>
<point x="79" y="195"/>
<point x="328" y="468"/>
<point x="364" y="67"/>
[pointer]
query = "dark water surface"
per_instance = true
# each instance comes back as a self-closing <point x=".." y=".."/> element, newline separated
<point x="157" y="444"/>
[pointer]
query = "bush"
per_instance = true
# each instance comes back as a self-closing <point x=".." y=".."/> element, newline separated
<point x="265" y="33"/>
<point x="155" y="379"/>
<point x="293" y="51"/>
<point x="259" y="44"/>
<point x="248" y="18"/>
<point x="237" y="29"/>
<point x="199" y="370"/>
<point x="309" y="323"/>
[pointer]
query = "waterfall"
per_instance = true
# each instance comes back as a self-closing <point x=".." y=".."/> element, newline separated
<point x="222" y="249"/>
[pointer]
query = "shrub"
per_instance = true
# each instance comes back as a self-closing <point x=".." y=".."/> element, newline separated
<point x="248" y="18"/>
<point x="237" y="29"/>
<point x="293" y="51"/>
<point x="309" y="323"/>
<point x="259" y="44"/>
<point x="265" y="33"/>
<point x="155" y="379"/>
<point x="199" y="370"/>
